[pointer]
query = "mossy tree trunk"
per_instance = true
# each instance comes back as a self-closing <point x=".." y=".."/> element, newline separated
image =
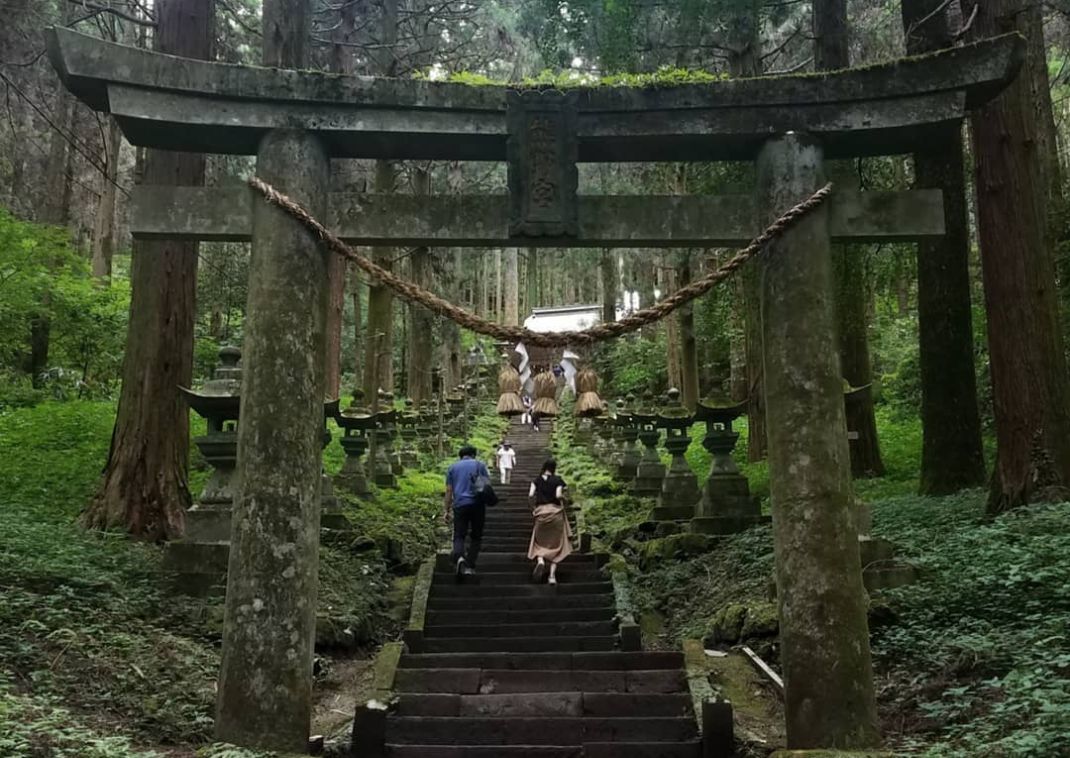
<point x="144" y="489"/>
<point x="829" y="699"/>
<point x="511" y="286"/>
<point x="1029" y="380"/>
<point x="851" y="291"/>
<point x="952" y="457"/>
<point x="421" y="320"/>
<point x="689" y="390"/>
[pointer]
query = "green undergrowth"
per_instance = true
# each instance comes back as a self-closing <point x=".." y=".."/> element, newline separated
<point x="972" y="660"/>
<point x="99" y="657"/>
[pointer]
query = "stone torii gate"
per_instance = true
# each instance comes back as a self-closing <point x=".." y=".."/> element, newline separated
<point x="295" y="121"/>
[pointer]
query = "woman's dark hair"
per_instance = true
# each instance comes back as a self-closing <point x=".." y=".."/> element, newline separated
<point x="467" y="452"/>
<point x="550" y="467"/>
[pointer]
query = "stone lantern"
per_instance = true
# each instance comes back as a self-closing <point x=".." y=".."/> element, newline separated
<point x="599" y="444"/>
<point x="650" y="471"/>
<point x="218" y="403"/>
<point x="332" y="517"/>
<point x="357" y="424"/>
<point x="726" y="505"/>
<point x="455" y="423"/>
<point x="381" y="470"/>
<point x="407" y="421"/>
<point x="390" y="438"/>
<point x="627" y="457"/>
<point x="679" y="490"/>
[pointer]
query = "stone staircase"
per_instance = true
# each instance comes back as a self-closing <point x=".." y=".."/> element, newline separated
<point x="507" y="668"/>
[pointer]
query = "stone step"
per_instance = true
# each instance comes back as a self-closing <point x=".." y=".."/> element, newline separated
<point x="541" y="616"/>
<point x="685" y="749"/>
<point x="518" y="644"/>
<point x="551" y="704"/>
<point x="534" y="601"/>
<point x="521" y="575"/>
<point x="492" y="561"/>
<point x="484" y="751"/>
<point x="548" y="629"/>
<point x="430" y="730"/>
<point x="486" y="681"/>
<point x="594" y="661"/>
<point x="463" y="589"/>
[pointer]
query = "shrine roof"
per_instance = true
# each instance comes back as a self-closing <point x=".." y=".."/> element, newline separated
<point x="176" y="103"/>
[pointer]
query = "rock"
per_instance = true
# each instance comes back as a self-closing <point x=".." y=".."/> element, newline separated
<point x="665" y="528"/>
<point x="737" y="622"/>
<point x="761" y="621"/>
<point x="674" y="546"/>
<point x="880" y="613"/>
<point x="727" y="624"/>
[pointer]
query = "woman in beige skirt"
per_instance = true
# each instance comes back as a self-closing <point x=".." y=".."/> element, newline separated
<point x="550" y="537"/>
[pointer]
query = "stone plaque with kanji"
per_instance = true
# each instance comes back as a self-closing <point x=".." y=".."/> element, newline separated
<point x="542" y="152"/>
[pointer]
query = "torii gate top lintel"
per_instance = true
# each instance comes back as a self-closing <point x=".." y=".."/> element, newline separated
<point x="175" y="103"/>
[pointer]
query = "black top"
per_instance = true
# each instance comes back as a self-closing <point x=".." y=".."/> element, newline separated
<point x="546" y="489"/>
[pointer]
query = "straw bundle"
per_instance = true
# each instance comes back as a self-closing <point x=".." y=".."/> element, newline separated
<point x="509" y="386"/>
<point x="588" y="403"/>
<point x="545" y="395"/>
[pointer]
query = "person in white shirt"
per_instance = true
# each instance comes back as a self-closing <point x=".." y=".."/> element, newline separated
<point x="506" y="456"/>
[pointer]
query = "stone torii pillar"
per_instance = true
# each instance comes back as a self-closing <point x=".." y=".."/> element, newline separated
<point x="265" y="680"/>
<point x="824" y="636"/>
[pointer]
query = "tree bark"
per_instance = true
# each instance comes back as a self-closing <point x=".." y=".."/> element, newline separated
<point x="104" y="232"/>
<point x="499" y="310"/>
<point x="689" y="389"/>
<point x="144" y="489"/>
<point x="830" y="35"/>
<point x="511" y="286"/>
<point x="667" y="282"/>
<point x="421" y="320"/>
<point x="1029" y="382"/>
<point x="532" y="277"/>
<point x="952" y="457"/>
<point x="831" y="53"/>
<point x="608" y="276"/>
<point x="828" y="673"/>
<point x="379" y="335"/>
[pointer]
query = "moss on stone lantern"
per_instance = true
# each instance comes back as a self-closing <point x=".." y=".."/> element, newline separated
<point x="679" y="490"/>
<point x="650" y="471"/>
<point x="357" y="423"/>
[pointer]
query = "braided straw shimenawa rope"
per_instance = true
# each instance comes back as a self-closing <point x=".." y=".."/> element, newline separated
<point x="596" y="333"/>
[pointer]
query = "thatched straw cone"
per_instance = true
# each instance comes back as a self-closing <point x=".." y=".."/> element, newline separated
<point x="509" y="386"/>
<point x="588" y="403"/>
<point x="545" y="395"/>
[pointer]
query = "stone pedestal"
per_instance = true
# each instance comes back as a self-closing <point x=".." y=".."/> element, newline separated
<point x="726" y="505"/>
<point x="382" y="472"/>
<point x="679" y="490"/>
<point x="352" y="478"/>
<point x="650" y="471"/>
<point x="332" y="517"/>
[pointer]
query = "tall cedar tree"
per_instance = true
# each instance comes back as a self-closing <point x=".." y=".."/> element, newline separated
<point x="144" y="489"/>
<point x="1029" y="382"/>
<point x="831" y="53"/>
<point x="952" y="457"/>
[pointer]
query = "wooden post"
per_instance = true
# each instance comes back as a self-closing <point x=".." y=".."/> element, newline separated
<point x="824" y="637"/>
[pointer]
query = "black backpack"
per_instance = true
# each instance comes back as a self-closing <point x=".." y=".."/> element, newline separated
<point x="483" y="491"/>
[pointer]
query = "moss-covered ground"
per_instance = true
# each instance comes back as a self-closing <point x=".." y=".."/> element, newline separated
<point x="972" y="660"/>
<point x="98" y="657"/>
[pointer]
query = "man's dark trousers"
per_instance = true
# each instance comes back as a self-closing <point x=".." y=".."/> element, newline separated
<point x="465" y="518"/>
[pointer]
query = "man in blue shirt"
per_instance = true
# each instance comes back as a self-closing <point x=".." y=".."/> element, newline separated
<point x="460" y="505"/>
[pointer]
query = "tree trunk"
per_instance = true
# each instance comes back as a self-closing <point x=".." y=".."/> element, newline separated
<point x="608" y="274"/>
<point x="499" y="310"/>
<point x="104" y="232"/>
<point x="532" y="283"/>
<point x="830" y="35"/>
<point x="745" y="62"/>
<point x="689" y="389"/>
<point x="952" y="457"/>
<point x="831" y="53"/>
<point x="511" y="286"/>
<point x="421" y="320"/>
<point x="1029" y="382"/>
<point x="144" y="489"/>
